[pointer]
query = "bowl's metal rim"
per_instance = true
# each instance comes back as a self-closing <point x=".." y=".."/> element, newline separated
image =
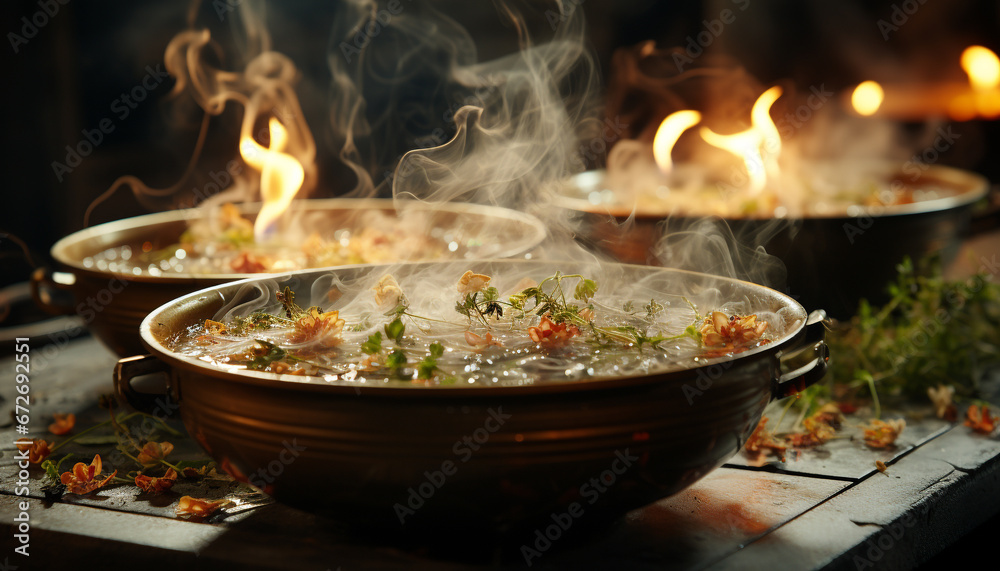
<point x="275" y="380"/>
<point x="58" y="250"/>
<point x="975" y="187"/>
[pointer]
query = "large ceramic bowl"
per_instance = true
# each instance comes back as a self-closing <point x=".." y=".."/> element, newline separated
<point x="113" y="303"/>
<point x="437" y="459"/>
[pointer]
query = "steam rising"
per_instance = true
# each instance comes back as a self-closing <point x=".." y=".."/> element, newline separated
<point x="264" y="88"/>
<point x="417" y="116"/>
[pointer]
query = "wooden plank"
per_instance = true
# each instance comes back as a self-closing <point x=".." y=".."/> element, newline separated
<point x="926" y="501"/>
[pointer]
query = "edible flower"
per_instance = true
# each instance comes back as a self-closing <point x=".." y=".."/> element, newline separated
<point x="156" y="485"/>
<point x="820" y="427"/>
<point x="323" y="328"/>
<point x="480" y="343"/>
<point x="471" y="282"/>
<point x="736" y="331"/>
<point x="195" y="507"/>
<point x="941" y="398"/>
<point x="83" y="479"/>
<point x="881" y="434"/>
<point x="551" y="334"/>
<point x="763" y="441"/>
<point x="247" y="263"/>
<point x="388" y="294"/>
<point x="980" y="420"/>
<point x="38" y="449"/>
<point x="153" y="453"/>
<point x="63" y="423"/>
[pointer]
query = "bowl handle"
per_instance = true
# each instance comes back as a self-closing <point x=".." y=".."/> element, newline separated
<point x="42" y="286"/>
<point x="808" y="374"/>
<point x="129" y="368"/>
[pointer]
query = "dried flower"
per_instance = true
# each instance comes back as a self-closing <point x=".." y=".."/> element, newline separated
<point x="820" y="427"/>
<point x="214" y="327"/>
<point x="762" y="441"/>
<point x="247" y="263"/>
<point x="881" y="467"/>
<point x="881" y="434"/>
<point x="323" y="328"/>
<point x="942" y="399"/>
<point x="63" y="423"/>
<point x="980" y="420"/>
<point x="481" y="343"/>
<point x="735" y="332"/>
<point x="153" y="453"/>
<point x="154" y="485"/>
<point x="38" y="449"/>
<point x="194" y="507"/>
<point x="471" y="282"/>
<point x="83" y="479"/>
<point x="551" y="334"/>
<point x="388" y="294"/>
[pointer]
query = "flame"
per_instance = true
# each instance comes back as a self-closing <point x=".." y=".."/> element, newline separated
<point x="281" y="175"/>
<point x="983" y="69"/>
<point x="867" y="97"/>
<point x="982" y="66"/>
<point x="666" y="136"/>
<point x="759" y="146"/>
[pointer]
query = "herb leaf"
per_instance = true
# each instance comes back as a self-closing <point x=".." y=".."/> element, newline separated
<point x="263" y="361"/>
<point x="373" y="345"/>
<point x="395" y="329"/>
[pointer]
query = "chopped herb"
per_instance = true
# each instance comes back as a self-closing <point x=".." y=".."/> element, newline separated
<point x="585" y="289"/>
<point x="373" y="345"/>
<point x="287" y="299"/>
<point x="394" y="330"/>
<point x="262" y="361"/>
<point x="396" y="361"/>
<point x="653" y="309"/>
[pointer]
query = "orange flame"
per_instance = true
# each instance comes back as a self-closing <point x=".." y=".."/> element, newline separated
<point x="982" y="66"/>
<point x="281" y="176"/>
<point x="983" y="69"/>
<point x="759" y="146"/>
<point x="667" y="134"/>
<point x="867" y="97"/>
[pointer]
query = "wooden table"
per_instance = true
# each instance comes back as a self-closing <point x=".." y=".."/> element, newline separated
<point x="827" y="507"/>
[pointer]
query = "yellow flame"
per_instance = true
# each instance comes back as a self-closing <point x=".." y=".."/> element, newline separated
<point x="867" y="97"/>
<point x="666" y="136"/>
<point x="281" y="175"/>
<point x="759" y="146"/>
<point x="982" y="66"/>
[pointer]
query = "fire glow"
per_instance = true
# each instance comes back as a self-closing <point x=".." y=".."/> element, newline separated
<point x="983" y="68"/>
<point x="666" y="137"/>
<point x="977" y="97"/>
<point x="281" y="176"/>
<point x="759" y="146"/>
<point x="867" y="97"/>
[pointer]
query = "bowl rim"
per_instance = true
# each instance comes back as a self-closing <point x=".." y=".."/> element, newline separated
<point x="315" y="384"/>
<point x="535" y="235"/>
<point x="974" y="187"/>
